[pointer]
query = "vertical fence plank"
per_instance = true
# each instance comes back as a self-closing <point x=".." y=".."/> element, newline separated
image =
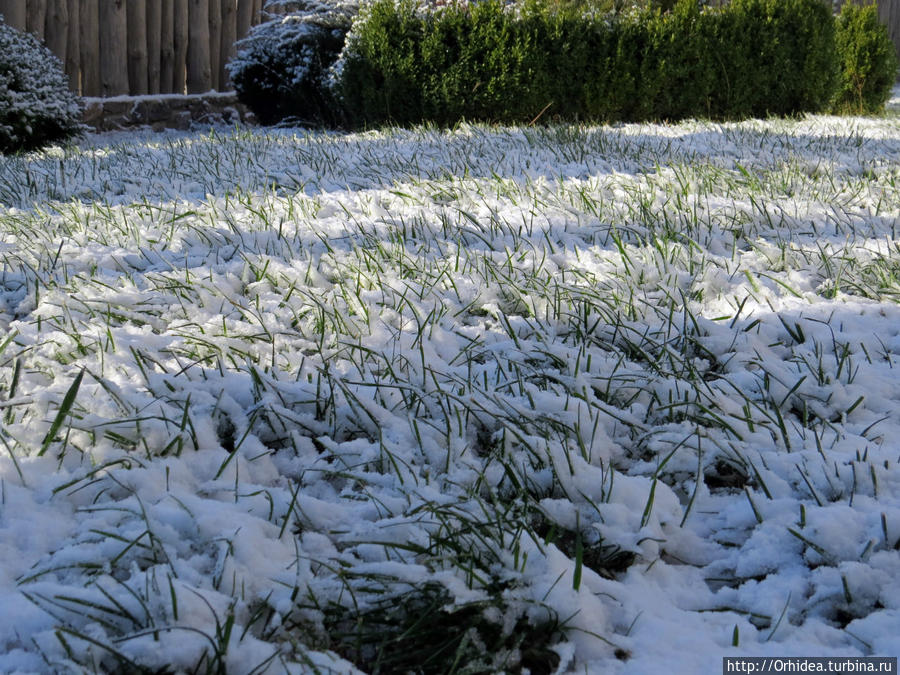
<point x="198" y="73"/>
<point x="215" y="39"/>
<point x="167" y="47"/>
<point x="229" y="37"/>
<point x="57" y="28"/>
<point x="244" y="17"/>
<point x="113" y="48"/>
<point x="90" y="47"/>
<point x="154" y="45"/>
<point x="136" y="15"/>
<point x="36" y="19"/>
<point x="14" y="13"/>
<point x="181" y="46"/>
<point x="73" y="45"/>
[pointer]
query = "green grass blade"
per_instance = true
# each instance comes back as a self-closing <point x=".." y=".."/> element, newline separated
<point x="63" y="412"/>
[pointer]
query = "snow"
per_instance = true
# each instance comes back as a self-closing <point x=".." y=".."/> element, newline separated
<point x="322" y="365"/>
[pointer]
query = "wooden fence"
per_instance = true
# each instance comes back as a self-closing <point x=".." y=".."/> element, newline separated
<point x="113" y="47"/>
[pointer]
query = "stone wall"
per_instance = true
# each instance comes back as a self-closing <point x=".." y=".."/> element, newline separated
<point x="169" y="111"/>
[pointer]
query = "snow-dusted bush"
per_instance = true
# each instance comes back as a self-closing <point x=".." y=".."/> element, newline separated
<point x="36" y="106"/>
<point x="281" y="68"/>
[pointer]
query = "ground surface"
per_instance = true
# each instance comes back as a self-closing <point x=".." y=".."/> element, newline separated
<point x="609" y="399"/>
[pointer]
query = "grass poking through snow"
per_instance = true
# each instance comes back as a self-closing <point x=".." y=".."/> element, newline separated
<point x="481" y="400"/>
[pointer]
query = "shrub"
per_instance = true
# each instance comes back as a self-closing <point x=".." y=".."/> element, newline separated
<point x="36" y="106"/>
<point x="868" y="61"/>
<point x="514" y="64"/>
<point x="281" y="69"/>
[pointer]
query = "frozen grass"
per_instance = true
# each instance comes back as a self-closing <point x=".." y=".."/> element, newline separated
<point x="603" y="399"/>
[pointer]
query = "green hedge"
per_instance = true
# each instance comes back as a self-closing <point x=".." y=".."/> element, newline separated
<point x="567" y="60"/>
<point x="490" y="62"/>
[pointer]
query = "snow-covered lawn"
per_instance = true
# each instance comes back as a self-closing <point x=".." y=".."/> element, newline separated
<point x="618" y="400"/>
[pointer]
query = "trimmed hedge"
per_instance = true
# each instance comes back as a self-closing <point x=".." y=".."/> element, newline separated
<point x="485" y="62"/>
<point x="569" y="60"/>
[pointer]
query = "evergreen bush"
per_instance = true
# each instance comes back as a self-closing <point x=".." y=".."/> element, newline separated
<point x="868" y="61"/>
<point x="36" y="106"/>
<point x="281" y="69"/>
